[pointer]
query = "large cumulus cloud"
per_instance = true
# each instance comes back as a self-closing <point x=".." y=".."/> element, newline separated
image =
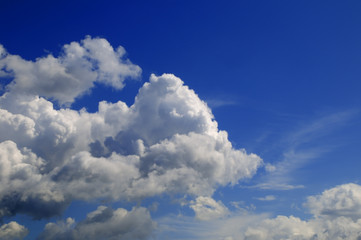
<point x="166" y="142"/>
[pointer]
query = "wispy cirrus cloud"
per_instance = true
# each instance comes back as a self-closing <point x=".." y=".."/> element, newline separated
<point x="266" y="198"/>
<point x="299" y="147"/>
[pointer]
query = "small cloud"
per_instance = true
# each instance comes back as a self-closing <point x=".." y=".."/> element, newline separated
<point x="215" y="103"/>
<point x="270" y="168"/>
<point x="153" y="207"/>
<point x="276" y="186"/>
<point x="207" y="208"/>
<point x="266" y="198"/>
<point x="242" y="207"/>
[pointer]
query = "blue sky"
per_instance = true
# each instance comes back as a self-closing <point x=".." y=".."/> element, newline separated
<point x="253" y="132"/>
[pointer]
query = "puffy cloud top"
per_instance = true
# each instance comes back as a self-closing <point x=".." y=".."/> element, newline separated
<point x="71" y="74"/>
<point x="207" y="208"/>
<point x="343" y="200"/>
<point x="13" y="231"/>
<point x="336" y="216"/>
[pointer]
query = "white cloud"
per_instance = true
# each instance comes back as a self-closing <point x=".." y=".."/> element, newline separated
<point x="13" y="231"/>
<point x="207" y="208"/>
<point x="281" y="227"/>
<point x="336" y="216"/>
<point x="166" y="142"/>
<point x="71" y="74"/>
<point x="298" y="147"/>
<point x="294" y="228"/>
<point x="266" y="198"/>
<point x="103" y="223"/>
<point x="343" y="200"/>
<point x="24" y="188"/>
<point x="231" y="227"/>
<point x="245" y="225"/>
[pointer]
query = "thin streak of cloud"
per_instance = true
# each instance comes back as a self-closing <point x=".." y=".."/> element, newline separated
<point x="301" y="146"/>
<point x="216" y="103"/>
<point x="266" y="198"/>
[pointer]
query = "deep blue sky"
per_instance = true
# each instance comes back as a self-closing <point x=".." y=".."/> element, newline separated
<point x="281" y="77"/>
<point x="291" y="56"/>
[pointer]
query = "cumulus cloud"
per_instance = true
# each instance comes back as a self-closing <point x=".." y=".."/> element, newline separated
<point x="246" y="225"/>
<point x="71" y="74"/>
<point x="231" y="227"/>
<point x="13" y="231"/>
<point x="336" y="216"/>
<point x="103" y="223"/>
<point x="207" y="208"/>
<point x="24" y="189"/>
<point x="294" y="228"/>
<point x="166" y="142"/>
<point x="343" y="200"/>
<point x="281" y="227"/>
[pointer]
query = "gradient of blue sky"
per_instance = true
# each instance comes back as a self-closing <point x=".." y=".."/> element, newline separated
<point x="283" y="78"/>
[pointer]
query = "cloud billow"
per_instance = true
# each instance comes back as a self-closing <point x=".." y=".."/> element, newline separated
<point x="166" y="142"/>
<point x="336" y="216"/>
<point x="71" y="74"/>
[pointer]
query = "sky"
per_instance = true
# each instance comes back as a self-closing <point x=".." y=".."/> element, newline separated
<point x="224" y="120"/>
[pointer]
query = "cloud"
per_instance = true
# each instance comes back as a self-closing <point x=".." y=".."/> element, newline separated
<point x="343" y="200"/>
<point x="24" y="188"/>
<point x="231" y="227"/>
<point x="294" y="228"/>
<point x="13" y="231"/>
<point x="216" y="103"/>
<point x="267" y="198"/>
<point x="167" y="142"/>
<point x="207" y="208"/>
<point x="103" y="223"/>
<point x="71" y="74"/>
<point x="247" y="225"/>
<point x="336" y="216"/>
<point x="300" y="146"/>
<point x="281" y="227"/>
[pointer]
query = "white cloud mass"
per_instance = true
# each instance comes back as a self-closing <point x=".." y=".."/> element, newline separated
<point x="343" y="200"/>
<point x="336" y="216"/>
<point x="71" y="74"/>
<point x="246" y="225"/>
<point x="167" y="142"/>
<point x="13" y="231"/>
<point x="207" y="208"/>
